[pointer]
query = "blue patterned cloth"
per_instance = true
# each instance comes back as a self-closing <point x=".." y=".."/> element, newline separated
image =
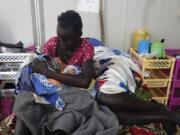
<point x="39" y="85"/>
<point x="47" y="90"/>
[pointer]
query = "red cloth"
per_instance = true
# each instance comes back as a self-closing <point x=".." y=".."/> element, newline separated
<point x="140" y="131"/>
<point x="6" y="106"/>
<point x="84" y="53"/>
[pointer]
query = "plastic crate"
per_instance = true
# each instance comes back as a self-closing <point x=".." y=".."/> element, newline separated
<point x="12" y="63"/>
<point x="159" y="77"/>
<point x="174" y="53"/>
<point x="174" y="98"/>
<point x="174" y="107"/>
<point x="13" y="57"/>
<point x="174" y="102"/>
<point x="161" y="100"/>
<point x="7" y="75"/>
<point x="158" y="92"/>
<point x="177" y="93"/>
<point x="160" y="95"/>
<point x="153" y="63"/>
<point x="154" y="83"/>
<point x="7" y="89"/>
<point x="156" y="78"/>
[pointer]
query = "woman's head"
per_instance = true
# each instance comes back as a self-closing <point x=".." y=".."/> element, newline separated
<point x="69" y="28"/>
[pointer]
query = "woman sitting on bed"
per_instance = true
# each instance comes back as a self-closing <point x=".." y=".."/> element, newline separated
<point x="74" y="50"/>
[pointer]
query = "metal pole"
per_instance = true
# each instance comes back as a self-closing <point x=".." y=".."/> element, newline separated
<point x="101" y="20"/>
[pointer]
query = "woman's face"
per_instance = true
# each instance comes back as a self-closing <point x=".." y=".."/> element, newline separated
<point x="68" y="37"/>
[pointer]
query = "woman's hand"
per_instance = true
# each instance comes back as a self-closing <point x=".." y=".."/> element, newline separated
<point x="39" y="67"/>
<point x="82" y="80"/>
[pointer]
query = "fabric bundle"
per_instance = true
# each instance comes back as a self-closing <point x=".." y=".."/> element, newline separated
<point x="118" y="71"/>
<point x="44" y="89"/>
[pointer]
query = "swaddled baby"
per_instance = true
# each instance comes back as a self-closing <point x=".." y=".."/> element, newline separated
<point x="46" y="88"/>
<point x="64" y="68"/>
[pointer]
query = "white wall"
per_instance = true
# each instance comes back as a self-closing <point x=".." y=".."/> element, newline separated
<point x="121" y="18"/>
<point x="160" y="17"/>
<point x="115" y="21"/>
<point x="53" y="9"/>
<point x="16" y="21"/>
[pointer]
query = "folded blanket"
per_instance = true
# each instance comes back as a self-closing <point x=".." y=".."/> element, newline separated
<point x="81" y="115"/>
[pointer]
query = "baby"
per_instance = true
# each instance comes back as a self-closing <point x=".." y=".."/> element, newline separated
<point x="63" y="68"/>
<point x="46" y="89"/>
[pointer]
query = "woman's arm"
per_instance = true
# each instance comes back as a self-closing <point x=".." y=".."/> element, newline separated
<point x="82" y="80"/>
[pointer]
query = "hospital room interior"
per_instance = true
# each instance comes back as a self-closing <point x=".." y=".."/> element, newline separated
<point x="89" y="67"/>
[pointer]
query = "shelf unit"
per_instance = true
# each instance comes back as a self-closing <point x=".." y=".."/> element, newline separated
<point x="9" y="66"/>
<point x="158" y="79"/>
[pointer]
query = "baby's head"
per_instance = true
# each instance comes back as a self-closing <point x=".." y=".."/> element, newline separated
<point x="67" y="69"/>
<point x="72" y="69"/>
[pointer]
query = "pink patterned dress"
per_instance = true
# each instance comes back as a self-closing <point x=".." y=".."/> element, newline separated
<point x="83" y="53"/>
